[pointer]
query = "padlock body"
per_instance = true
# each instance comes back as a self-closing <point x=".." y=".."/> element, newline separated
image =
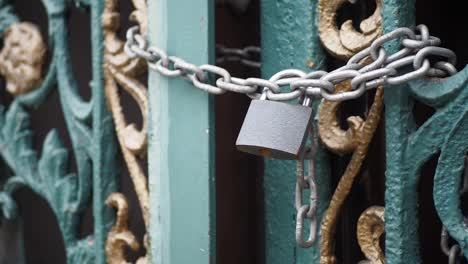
<point x="275" y="129"/>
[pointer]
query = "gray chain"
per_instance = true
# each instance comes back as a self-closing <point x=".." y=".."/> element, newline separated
<point x="248" y="56"/>
<point x="307" y="210"/>
<point x="454" y="252"/>
<point x="409" y="63"/>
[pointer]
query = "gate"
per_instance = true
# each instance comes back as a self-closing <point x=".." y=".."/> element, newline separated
<point x="109" y="153"/>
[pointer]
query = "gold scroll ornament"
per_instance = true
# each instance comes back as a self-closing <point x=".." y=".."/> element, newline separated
<point x="356" y="139"/>
<point x="120" y="237"/>
<point x="22" y="58"/>
<point x="371" y="226"/>
<point x="120" y="70"/>
<point x="343" y="43"/>
<point x="346" y="41"/>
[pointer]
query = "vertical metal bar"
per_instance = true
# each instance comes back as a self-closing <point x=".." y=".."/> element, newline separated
<point x="401" y="208"/>
<point x="181" y="138"/>
<point x="105" y="147"/>
<point x="289" y="40"/>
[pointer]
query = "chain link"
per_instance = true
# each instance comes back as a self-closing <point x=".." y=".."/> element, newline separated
<point x="454" y="252"/>
<point x="307" y="210"/>
<point x="411" y="62"/>
<point x="248" y="56"/>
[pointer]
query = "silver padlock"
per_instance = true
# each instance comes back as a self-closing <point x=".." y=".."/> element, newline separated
<point x="275" y="129"/>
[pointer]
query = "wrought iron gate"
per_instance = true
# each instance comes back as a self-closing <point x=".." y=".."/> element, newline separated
<point x="169" y="187"/>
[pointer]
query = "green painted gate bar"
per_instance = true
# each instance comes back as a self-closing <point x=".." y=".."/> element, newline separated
<point x="401" y="239"/>
<point x="290" y="39"/>
<point x="181" y="138"/>
<point x="409" y="147"/>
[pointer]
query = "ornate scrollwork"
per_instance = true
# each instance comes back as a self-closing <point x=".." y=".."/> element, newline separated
<point x="445" y="132"/>
<point x="114" y="47"/>
<point x="346" y="41"/>
<point x="343" y="43"/>
<point x="121" y="70"/>
<point x="371" y="226"/>
<point x="356" y="139"/>
<point x="120" y="237"/>
<point x="22" y="57"/>
<point x="67" y="191"/>
<point x="336" y="139"/>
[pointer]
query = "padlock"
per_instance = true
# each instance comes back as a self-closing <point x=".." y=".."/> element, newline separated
<point x="275" y="129"/>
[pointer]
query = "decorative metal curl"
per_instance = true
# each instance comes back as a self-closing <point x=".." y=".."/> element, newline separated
<point x="357" y="141"/>
<point x="22" y="57"/>
<point x="346" y="41"/>
<point x="120" y="70"/>
<point x="332" y="135"/>
<point x="371" y="226"/>
<point x="119" y="237"/>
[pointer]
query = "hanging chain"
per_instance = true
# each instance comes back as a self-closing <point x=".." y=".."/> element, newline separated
<point x="307" y="210"/>
<point x="248" y="56"/>
<point x="409" y="63"/>
<point x="454" y="252"/>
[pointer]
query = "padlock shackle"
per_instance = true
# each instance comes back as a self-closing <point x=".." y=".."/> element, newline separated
<point x="307" y="101"/>
<point x="264" y="93"/>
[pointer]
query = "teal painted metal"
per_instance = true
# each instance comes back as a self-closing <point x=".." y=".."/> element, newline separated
<point x="181" y="141"/>
<point x="401" y="245"/>
<point x="90" y="129"/>
<point x="290" y="40"/>
<point x="409" y="147"/>
<point x="104" y="144"/>
<point x="181" y="138"/>
<point x="445" y="132"/>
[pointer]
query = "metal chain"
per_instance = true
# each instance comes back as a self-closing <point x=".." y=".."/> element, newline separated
<point x="307" y="210"/>
<point x="454" y="252"/>
<point x="409" y="63"/>
<point x="248" y="56"/>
